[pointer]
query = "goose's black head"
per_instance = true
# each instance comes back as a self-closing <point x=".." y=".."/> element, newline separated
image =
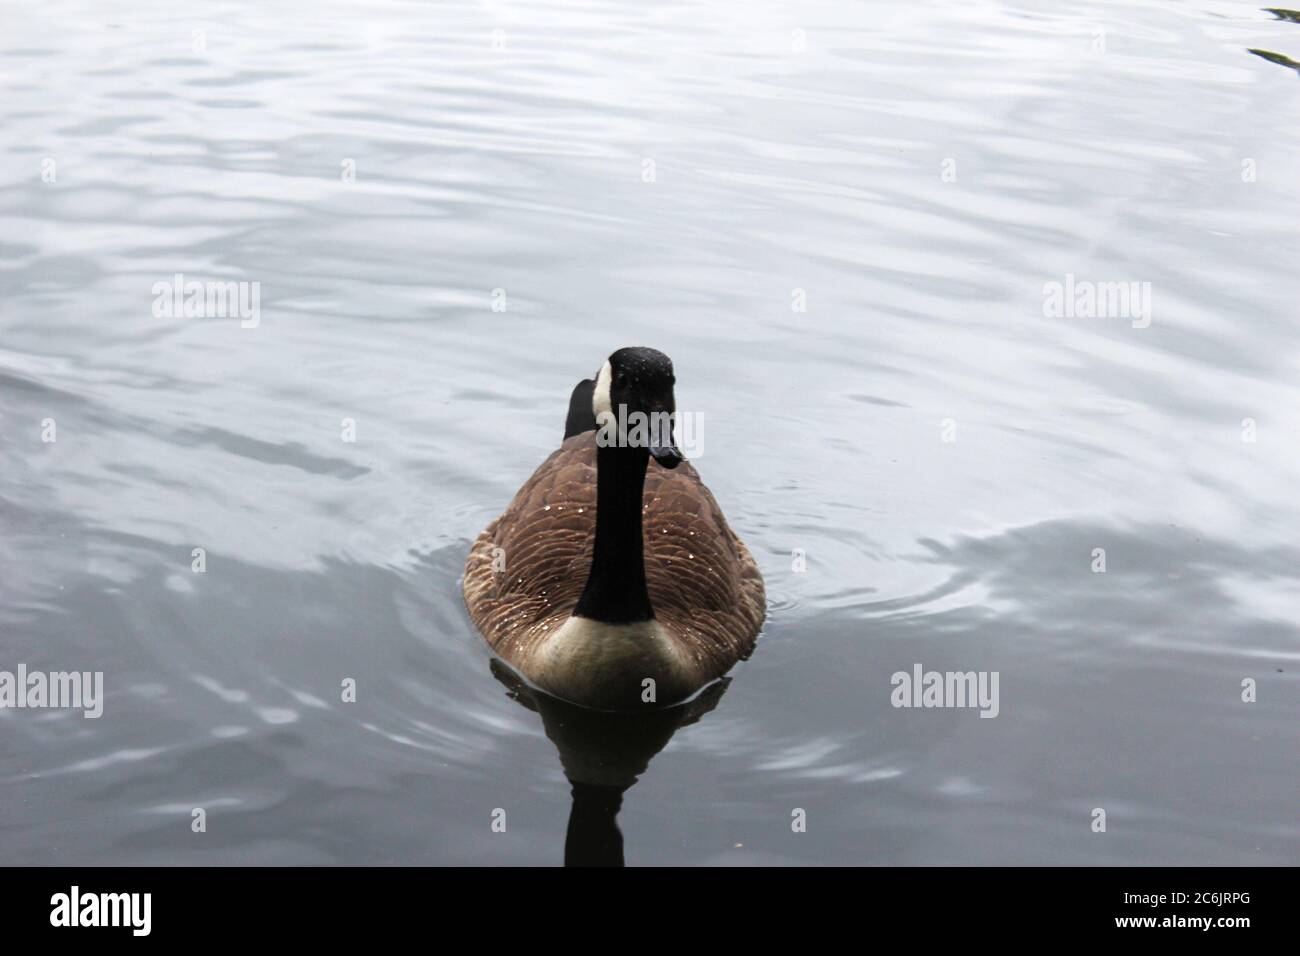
<point x="634" y="405"/>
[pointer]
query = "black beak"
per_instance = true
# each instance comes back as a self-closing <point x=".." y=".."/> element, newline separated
<point x="670" y="456"/>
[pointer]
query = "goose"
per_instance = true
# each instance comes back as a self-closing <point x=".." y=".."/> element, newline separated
<point x="612" y="582"/>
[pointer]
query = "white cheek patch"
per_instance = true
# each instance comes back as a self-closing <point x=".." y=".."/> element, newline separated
<point x="600" y="401"/>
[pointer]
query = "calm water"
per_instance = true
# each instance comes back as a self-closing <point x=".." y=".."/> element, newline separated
<point x="838" y="219"/>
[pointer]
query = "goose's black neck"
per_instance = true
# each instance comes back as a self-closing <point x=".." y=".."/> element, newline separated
<point x="616" y="590"/>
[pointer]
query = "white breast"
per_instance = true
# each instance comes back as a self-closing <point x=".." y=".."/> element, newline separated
<point x="609" y="664"/>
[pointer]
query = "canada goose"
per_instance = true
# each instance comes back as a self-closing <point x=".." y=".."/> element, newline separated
<point x="607" y="573"/>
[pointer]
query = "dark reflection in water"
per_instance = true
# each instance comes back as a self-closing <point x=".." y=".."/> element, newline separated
<point x="1278" y="58"/>
<point x="603" y="755"/>
<point x="1290" y="16"/>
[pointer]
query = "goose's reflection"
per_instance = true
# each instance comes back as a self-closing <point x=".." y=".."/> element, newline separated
<point x="603" y="754"/>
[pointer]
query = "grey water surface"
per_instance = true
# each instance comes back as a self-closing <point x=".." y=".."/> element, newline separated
<point x="844" y="222"/>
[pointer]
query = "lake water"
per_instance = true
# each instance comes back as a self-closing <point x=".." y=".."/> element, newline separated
<point x="847" y="223"/>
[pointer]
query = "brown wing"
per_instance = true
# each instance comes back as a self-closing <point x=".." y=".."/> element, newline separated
<point x="704" y="585"/>
<point x="543" y="540"/>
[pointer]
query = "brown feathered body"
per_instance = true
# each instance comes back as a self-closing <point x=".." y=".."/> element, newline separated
<point x="527" y="570"/>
